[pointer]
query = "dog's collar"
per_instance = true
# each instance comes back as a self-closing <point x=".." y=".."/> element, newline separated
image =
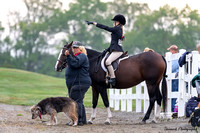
<point x="40" y="115"/>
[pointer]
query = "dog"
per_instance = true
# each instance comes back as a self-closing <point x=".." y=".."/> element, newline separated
<point x="54" y="105"/>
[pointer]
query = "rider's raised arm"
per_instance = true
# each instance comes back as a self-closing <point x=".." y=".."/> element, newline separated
<point x="107" y="28"/>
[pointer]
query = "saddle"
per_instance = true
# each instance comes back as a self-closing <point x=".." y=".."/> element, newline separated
<point x="115" y="63"/>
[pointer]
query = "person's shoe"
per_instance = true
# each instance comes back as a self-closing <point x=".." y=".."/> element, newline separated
<point x="80" y="124"/>
<point x="112" y="81"/>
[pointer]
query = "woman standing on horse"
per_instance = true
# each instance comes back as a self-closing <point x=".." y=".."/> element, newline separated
<point x="115" y="48"/>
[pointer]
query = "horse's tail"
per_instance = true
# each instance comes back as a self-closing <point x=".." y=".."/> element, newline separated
<point x="164" y="87"/>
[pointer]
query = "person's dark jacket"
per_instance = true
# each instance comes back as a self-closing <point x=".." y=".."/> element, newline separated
<point x="191" y="105"/>
<point x="77" y="72"/>
<point x="116" y="35"/>
<point x="182" y="59"/>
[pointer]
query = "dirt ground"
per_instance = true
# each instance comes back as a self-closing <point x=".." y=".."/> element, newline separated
<point x="17" y="119"/>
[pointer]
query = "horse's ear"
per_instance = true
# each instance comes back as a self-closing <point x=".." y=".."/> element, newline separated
<point x="70" y="45"/>
<point x="66" y="44"/>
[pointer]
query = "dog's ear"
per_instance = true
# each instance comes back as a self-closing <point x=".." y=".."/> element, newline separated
<point x="33" y="107"/>
<point x="38" y="108"/>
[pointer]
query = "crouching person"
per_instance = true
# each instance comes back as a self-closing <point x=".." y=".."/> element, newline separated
<point x="77" y="78"/>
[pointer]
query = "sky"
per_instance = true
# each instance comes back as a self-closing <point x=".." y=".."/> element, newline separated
<point x="17" y="5"/>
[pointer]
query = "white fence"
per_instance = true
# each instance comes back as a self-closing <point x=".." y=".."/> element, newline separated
<point x="185" y="90"/>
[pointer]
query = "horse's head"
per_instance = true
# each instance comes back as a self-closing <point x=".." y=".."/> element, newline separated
<point x="61" y="62"/>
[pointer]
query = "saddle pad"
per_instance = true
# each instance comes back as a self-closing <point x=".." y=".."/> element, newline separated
<point x="115" y="63"/>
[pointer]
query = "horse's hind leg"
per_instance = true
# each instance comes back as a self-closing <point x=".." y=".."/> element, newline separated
<point x="152" y="98"/>
<point x="158" y="109"/>
<point x="151" y="105"/>
<point x="95" y="97"/>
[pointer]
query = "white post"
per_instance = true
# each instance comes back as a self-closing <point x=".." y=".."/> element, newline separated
<point x="195" y="67"/>
<point x="117" y="96"/>
<point x="146" y="99"/>
<point x="123" y="100"/>
<point x="111" y="95"/>
<point x="138" y="98"/>
<point x="129" y="100"/>
<point x="169" y="81"/>
<point x="181" y="89"/>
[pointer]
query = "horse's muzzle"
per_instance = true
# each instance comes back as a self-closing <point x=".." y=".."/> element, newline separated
<point x="58" y="69"/>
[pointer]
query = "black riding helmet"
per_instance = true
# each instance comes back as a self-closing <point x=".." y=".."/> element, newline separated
<point x="120" y="18"/>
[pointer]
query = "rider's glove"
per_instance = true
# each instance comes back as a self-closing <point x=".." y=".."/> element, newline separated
<point x="88" y="22"/>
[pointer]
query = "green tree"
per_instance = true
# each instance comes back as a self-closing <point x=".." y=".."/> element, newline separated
<point x="188" y="33"/>
<point x="159" y="29"/>
<point x="31" y="38"/>
<point x="5" y="49"/>
<point x="129" y="10"/>
<point x="72" y="22"/>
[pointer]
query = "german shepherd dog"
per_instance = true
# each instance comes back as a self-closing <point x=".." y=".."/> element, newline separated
<point x="54" y="105"/>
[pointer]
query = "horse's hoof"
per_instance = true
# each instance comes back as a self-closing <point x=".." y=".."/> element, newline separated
<point x="89" y="122"/>
<point x="142" y="122"/>
<point x="154" y="121"/>
<point x="107" y="123"/>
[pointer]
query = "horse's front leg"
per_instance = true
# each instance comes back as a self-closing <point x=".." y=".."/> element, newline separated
<point x="107" y="122"/>
<point x="93" y="116"/>
<point x="95" y="97"/>
<point x="104" y="96"/>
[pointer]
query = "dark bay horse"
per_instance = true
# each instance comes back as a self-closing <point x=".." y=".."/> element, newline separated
<point x="148" y="66"/>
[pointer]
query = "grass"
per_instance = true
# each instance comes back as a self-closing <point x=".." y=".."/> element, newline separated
<point x="18" y="87"/>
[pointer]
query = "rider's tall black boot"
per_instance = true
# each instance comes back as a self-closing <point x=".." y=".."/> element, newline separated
<point x="112" y="81"/>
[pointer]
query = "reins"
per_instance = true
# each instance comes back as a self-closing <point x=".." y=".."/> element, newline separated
<point x="63" y="62"/>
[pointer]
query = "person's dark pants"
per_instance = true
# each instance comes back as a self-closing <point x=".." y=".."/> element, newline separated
<point x="77" y="93"/>
<point x="174" y="89"/>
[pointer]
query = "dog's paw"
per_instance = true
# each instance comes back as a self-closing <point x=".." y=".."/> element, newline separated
<point x="74" y="125"/>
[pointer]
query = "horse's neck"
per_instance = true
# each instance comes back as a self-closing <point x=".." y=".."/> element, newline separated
<point x="92" y="54"/>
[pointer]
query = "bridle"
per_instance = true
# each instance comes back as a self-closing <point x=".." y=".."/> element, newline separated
<point x="63" y="63"/>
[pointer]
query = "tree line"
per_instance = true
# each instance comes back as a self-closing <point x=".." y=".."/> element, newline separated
<point x="34" y="41"/>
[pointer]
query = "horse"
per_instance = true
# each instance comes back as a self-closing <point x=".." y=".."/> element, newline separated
<point x="147" y="66"/>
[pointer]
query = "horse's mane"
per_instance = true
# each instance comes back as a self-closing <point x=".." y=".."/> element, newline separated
<point x="92" y="53"/>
